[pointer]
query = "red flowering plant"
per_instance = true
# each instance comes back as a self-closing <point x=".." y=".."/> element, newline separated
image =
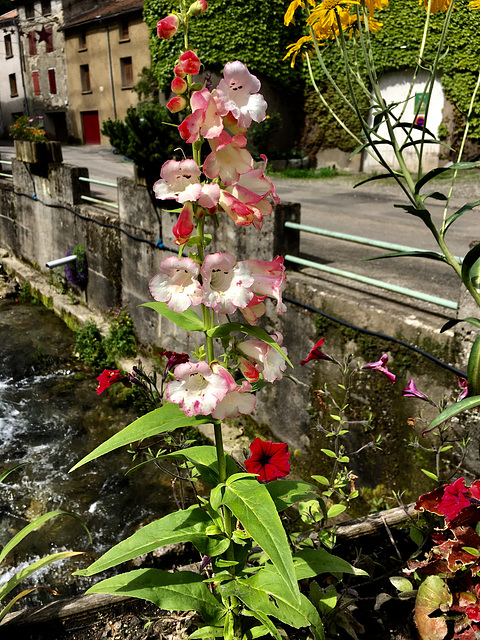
<point x="448" y="599"/>
<point x="198" y="291"/>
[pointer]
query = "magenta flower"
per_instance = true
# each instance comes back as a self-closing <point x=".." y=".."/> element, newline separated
<point x="257" y="205"/>
<point x="316" y="354"/>
<point x="237" y="93"/>
<point x="184" y="226"/>
<point x="107" y="378"/>
<point x="411" y="391"/>
<point x="239" y="213"/>
<point x="381" y="365"/>
<point x="177" y="284"/>
<point x="237" y="400"/>
<point x="167" y="27"/>
<point x="226" y="283"/>
<point x="269" y="460"/>
<point x="189" y="62"/>
<point x="173" y="358"/>
<point x="464" y="387"/>
<point x="197" y="389"/>
<point x="204" y="121"/>
<point x="229" y="159"/>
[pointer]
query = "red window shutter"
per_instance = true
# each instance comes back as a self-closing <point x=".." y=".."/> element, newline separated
<point x="52" y="81"/>
<point x="36" y="83"/>
<point x="32" y="43"/>
<point x="49" y="41"/>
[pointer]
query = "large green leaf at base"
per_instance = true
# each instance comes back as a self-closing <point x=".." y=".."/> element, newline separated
<point x="181" y="591"/>
<point x="313" y="562"/>
<point x="166" y="418"/>
<point x="252" y="505"/>
<point x="188" y="525"/>
<point x="287" y="492"/>
<point x="187" y="320"/>
<point x="266" y="592"/>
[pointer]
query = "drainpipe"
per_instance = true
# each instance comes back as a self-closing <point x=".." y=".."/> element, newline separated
<point x="114" y="104"/>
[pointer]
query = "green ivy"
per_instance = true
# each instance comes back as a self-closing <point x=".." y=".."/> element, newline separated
<point x="250" y="31"/>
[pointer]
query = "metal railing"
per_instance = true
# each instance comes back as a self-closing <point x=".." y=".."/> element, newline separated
<point x="449" y="304"/>
<point x="114" y="205"/>
<point x="5" y="175"/>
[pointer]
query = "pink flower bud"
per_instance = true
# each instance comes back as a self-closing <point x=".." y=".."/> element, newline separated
<point x="198" y="8"/>
<point x="178" y="85"/>
<point x="179" y="72"/>
<point x="189" y="62"/>
<point x="178" y="103"/>
<point x="167" y="27"/>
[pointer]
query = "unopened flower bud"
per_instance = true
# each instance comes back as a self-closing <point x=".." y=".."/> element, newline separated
<point x="190" y="63"/>
<point x="198" y="8"/>
<point x="178" y="71"/>
<point x="178" y="103"/>
<point x="167" y="27"/>
<point x="178" y="85"/>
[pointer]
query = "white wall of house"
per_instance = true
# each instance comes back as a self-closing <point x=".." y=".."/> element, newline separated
<point x="12" y="95"/>
<point x="395" y="88"/>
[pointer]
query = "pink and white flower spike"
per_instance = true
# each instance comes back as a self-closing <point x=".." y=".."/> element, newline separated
<point x="177" y="284"/>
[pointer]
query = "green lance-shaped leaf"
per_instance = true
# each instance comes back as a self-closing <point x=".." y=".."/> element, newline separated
<point x="226" y="329"/>
<point x="187" y="320"/>
<point x="454" y="321"/>
<point x="252" y="505"/>
<point x="7" y="472"/>
<point x="267" y="593"/>
<point x="313" y="562"/>
<point x="466" y="207"/>
<point x="287" y="492"/>
<point x="35" y="566"/>
<point x="188" y="525"/>
<point x="380" y="176"/>
<point x="453" y="410"/>
<point x="181" y="591"/>
<point x="204" y="459"/>
<point x="471" y="266"/>
<point x="431" y="255"/>
<point x="473" y="369"/>
<point x="166" y="418"/>
<point x="33" y="526"/>
<point x="439" y="170"/>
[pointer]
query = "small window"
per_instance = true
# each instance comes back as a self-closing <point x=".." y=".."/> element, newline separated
<point x="29" y="11"/>
<point x="8" y="46"/>
<point x="82" y="40"/>
<point x="36" y="83"/>
<point x="127" y="72"/>
<point x="13" y="85"/>
<point x="49" y="41"/>
<point x="52" y="81"/>
<point x="85" y="78"/>
<point x="32" y="43"/>
<point x="46" y="8"/>
<point x="123" y="32"/>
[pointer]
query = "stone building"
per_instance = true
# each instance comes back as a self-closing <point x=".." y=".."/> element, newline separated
<point x="45" y="72"/>
<point x="106" y="47"/>
<point x="12" y="91"/>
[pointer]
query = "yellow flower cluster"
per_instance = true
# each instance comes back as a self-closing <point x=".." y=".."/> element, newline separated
<point x="327" y="17"/>
<point x="443" y="5"/>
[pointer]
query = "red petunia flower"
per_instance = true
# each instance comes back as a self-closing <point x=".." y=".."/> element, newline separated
<point x="269" y="460"/>
<point x="107" y="378"/>
<point x="316" y="354"/>
<point x="173" y="358"/>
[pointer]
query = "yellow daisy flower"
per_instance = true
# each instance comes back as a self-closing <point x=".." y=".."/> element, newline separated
<point x="301" y="45"/>
<point x="475" y="4"/>
<point x="437" y="5"/>
<point x="325" y="13"/>
<point x="371" y="5"/>
<point x="293" y="6"/>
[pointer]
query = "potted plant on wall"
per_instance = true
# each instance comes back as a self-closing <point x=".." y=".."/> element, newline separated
<point x="31" y="144"/>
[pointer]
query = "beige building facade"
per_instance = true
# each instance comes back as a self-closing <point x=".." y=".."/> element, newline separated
<point x="106" y="50"/>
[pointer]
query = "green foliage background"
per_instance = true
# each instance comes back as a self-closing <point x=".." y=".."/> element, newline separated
<point x="253" y="31"/>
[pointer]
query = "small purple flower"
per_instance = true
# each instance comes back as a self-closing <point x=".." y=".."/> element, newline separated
<point x="381" y="365"/>
<point x="411" y="391"/>
<point x="463" y="382"/>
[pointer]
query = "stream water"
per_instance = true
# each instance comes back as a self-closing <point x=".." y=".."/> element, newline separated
<point x="50" y="417"/>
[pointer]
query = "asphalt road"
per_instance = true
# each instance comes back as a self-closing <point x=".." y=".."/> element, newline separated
<point x="333" y="204"/>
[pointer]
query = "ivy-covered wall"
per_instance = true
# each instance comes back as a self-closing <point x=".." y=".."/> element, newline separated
<point x="395" y="47"/>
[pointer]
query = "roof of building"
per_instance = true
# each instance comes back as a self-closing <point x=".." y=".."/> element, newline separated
<point x="6" y="17"/>
<point x="105" y="10"/>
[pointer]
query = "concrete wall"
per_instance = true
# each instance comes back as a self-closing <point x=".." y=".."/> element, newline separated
<point x="46" y="215"/>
